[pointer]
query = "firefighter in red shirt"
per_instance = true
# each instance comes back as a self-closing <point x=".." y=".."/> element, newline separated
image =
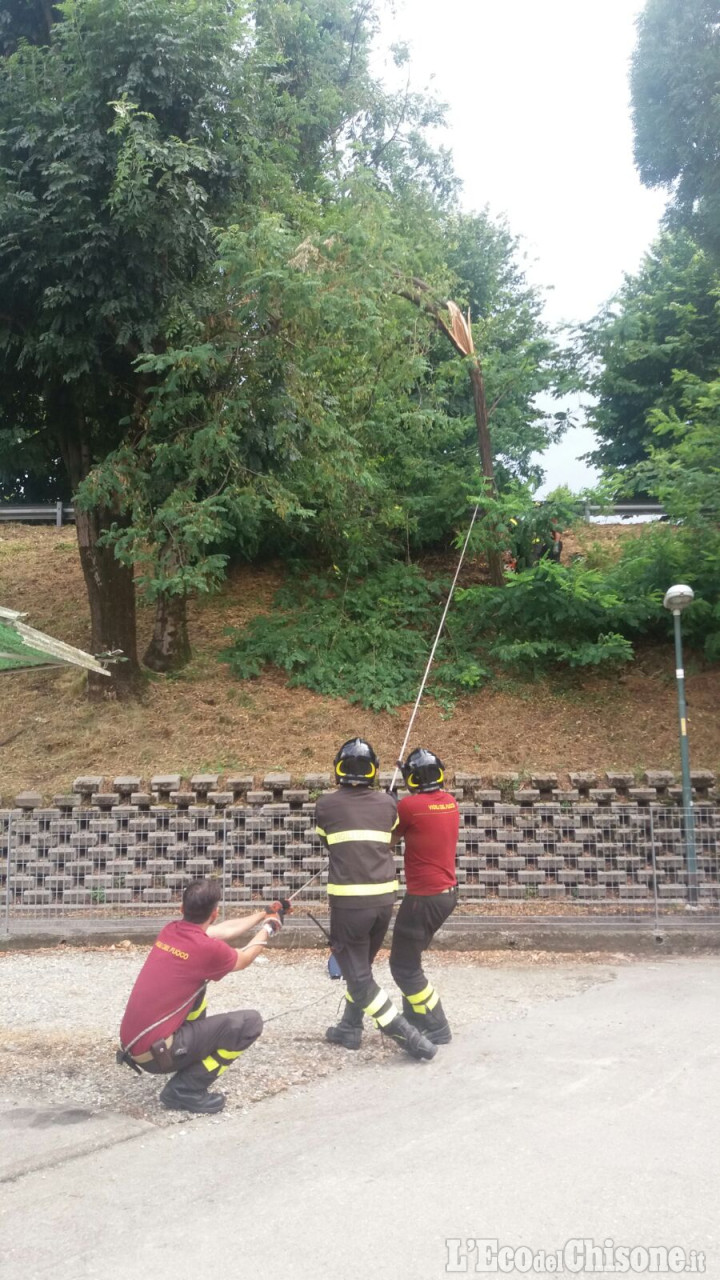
<point x="165" y="1027"/>
<point x="429" y="821"/>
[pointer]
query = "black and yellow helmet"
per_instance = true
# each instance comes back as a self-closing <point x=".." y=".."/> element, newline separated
<point x="423" y="771"/>
<point x="355" y="763"/>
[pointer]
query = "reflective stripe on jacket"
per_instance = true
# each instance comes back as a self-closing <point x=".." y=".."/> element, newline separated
<point x="356" y="824"/>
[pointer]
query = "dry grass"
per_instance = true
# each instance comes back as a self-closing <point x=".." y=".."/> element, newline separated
<point x="207" y="721"/>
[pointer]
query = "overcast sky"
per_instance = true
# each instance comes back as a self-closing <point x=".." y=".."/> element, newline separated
<point x="539" y="125"/>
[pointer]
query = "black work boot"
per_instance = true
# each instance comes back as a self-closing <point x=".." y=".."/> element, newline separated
<point x="348" y="1031"/>
<point x="433" y="1025"/>
<point x="410" y="1039"/>
<point x="183" y="1095"/>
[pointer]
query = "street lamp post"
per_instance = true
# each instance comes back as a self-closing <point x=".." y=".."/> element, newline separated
<point x="676" y="599"/>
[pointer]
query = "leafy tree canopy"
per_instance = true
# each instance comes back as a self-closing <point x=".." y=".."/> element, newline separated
<point x="124" y="142"/>
<point x="664" y="319"/>
<point x="208" y="212"/>
<point x="676" y="109"/>
<point x="29" y="21"/>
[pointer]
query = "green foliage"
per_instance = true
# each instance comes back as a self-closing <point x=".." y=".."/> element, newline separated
<point x="664" y="319"/>
<point x="522" y="528"/>
<point x="665" y="555"/>
<point x="377" y="430"/>
<point x="208" y="215"/>
<point x="683" y="468"/>
<point x="39" y="477"/>
<point x="675" y="76"/>
<point x="366" y="640"/>
<point x="609" y="649"/>
<point x="116" y="158"/>
<point x="534" y="532"/>
<point x="104" y="188"/>
<point x="184" y="493"/>
<point x="558" y="614"/>
<point x="591" y="615"/>
<point x="658" y="417"/>
<point x="658" y="354"/>
<point x="26" y="20"/>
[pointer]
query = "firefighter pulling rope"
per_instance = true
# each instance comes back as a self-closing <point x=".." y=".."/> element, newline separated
<point x="165" y="1029"/>
<point x="359" y="826"/>
<point x="428" y="822"/>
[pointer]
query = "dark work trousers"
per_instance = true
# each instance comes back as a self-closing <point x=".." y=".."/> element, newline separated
<point x="204" y="1047"/>
<point x="356" y="936"/>
<point x="416" y="924"/>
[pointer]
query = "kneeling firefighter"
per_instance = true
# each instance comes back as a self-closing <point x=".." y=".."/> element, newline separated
<point x="428" y="820"/>
<point x="165" y="1029"/>
<point x="356" y="824"/>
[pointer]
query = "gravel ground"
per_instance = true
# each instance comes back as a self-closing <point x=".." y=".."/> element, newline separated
<point x="61" y="1009"/>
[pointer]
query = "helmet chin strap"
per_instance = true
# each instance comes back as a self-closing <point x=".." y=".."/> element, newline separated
<point x="421" y="690"/>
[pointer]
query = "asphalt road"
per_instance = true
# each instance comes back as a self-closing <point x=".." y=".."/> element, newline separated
<point x="591" y="1117"/>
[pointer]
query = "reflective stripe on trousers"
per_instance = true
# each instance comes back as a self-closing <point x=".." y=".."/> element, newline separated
<point x="424" y="1001"/>
<point x="229" y="1055"/>
<point x="381" y="1009"/>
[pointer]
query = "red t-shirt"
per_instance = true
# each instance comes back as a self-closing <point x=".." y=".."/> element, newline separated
<point x="429" y="822"/>
<point x="182" y="959"/>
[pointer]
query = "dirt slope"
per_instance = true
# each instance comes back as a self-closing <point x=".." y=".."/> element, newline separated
<point x="207" y="721"/>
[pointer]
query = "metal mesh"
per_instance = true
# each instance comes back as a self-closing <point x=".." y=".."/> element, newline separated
<point x="123" y="860"/>
<point x="625" y="860"/>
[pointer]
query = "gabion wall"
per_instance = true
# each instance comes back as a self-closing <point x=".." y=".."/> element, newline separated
<point x="131" y="849"/>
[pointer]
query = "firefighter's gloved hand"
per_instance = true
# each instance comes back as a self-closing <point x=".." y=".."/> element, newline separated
<point x="270" y="927"/>
<point x="280" y="907"/>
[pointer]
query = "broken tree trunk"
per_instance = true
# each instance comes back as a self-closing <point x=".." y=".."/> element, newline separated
<point x="459" y="333"/>
<point x="495" y="565"/>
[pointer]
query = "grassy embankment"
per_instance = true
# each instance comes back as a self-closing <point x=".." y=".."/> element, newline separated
<point x="206" y="721"/>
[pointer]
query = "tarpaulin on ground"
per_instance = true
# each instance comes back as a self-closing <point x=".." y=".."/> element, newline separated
<point x="22" y="648"/>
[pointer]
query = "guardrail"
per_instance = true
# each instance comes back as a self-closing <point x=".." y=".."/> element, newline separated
<point x="60" y="513"/>
<point x="624" y="509"/>
<point x="38" y="513"/>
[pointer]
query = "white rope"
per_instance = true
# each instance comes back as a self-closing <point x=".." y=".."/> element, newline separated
<point x="437" y="641"/>
<point x="304" y="886"/>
